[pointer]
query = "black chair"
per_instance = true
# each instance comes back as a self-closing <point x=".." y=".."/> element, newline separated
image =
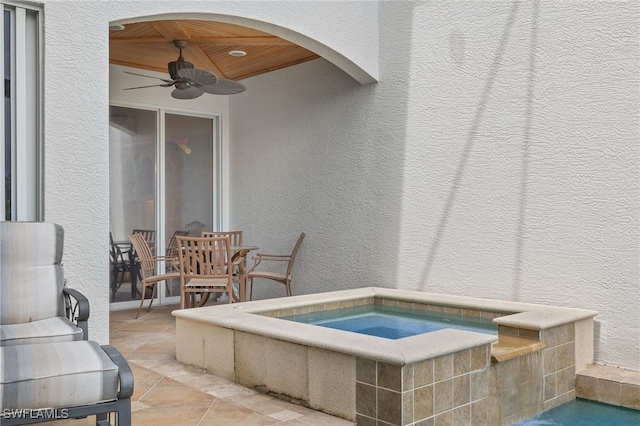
<point x="120" y="264"/>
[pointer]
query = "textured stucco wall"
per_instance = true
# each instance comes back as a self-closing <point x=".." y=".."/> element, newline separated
<point x="76" y="100"/>
<point x="497" y="157"/>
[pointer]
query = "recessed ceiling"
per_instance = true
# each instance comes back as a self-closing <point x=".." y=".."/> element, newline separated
<point x="149" y="46"/>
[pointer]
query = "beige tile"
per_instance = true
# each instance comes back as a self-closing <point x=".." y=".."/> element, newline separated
<point x="443" y="396"/>
<point x="609" y="392"/>
<point x="461" y="362"/>
<point x="366" y="400"/>
<point x="444" y="419"/>
<point x="587" y="387"/>
<point x="529" y="334"/>
<point x="479" y="384"/>
<point x="365" y="421"/>
<point x="443" y="367"/>
<point x="389" y="406"/>
<point x="480" y="357"/>
<point x="389" y="376"/>
<point x="462" y="416"/>
<point x="407" y="377"/>
<point x="423" y="373"/>
<point x="224" y="413"/>
<point x="461" y="390"/>
<point x="550" y="386"/>
<point x="630" y="396"/>
<point x="549" y="360"/>
<point x="479" y="412"/>
<point x="366" y="371"/>
<point x="426" y="422"/>
<point x="407" y="407"/>
<point x="423" y="403"/>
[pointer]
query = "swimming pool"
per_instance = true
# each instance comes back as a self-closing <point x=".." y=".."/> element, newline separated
<point x="397" y="323"/>
<point x="582" y="412"/>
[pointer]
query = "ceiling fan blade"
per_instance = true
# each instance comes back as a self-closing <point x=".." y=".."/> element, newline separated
<point x="198" y="77"/>
<point x="190" y="92"/>
<point x="153" y="85"/>
<point x="224" y="87"/>
<point x="149" y="76"/>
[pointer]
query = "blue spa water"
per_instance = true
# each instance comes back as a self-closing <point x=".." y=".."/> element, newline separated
<point x="582" y="412"/>
<point x="392" y="322"/>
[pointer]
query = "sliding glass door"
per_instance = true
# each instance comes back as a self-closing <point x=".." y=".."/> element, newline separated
<point x="188" y="184"/>
<point x="163" y="180"/>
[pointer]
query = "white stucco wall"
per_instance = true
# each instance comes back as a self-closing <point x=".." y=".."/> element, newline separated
<point x="497" y="157"/>
<point x="76" y="100"/>
<point x="473" y="167"/>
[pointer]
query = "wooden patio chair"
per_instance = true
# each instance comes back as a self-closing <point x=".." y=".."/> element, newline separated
<point x="235" y="237"/>
<point x="194" y="228"/>
<point x="148" y="268"/>
<point x="205" y="267"/>
<point x="282" y="278"/>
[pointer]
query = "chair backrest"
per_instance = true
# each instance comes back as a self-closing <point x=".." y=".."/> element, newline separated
<point x="143" y="252"/>
<point x="172" y="247"/>
<point x="31" y="276"/>
<point x="194" y="228"/>
<point x="149" y="234"/>
<point x="117" y="256"/>
<point x="294" y="253"/>
<point x="204" y="257"/>
<point x="234" y="236"/>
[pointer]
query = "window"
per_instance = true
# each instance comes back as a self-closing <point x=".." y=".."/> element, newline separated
<point x="20" y="156"/>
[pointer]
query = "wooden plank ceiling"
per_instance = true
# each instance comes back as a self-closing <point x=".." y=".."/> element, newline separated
<point x="149" y="46"/>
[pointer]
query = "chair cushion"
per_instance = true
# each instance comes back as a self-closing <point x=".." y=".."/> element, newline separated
<point x="31" y="277"/>
<point x="56" y="375"/>
<point x="57" y="329"/>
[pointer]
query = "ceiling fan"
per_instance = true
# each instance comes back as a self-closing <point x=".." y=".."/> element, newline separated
<point x="190" y="82"/>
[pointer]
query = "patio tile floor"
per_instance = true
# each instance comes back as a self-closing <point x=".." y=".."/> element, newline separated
<point x="169" y="393"/>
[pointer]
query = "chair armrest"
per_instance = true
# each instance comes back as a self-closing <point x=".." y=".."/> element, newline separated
<point x="77" y="310"/>
<point x="275" y="257"/>
<point x="164" y="258"/>
<point x="125" y="375"/>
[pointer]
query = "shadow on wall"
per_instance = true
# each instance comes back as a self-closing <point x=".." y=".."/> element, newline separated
<point x="338" y="157"/>
<point x="456" y="44"/>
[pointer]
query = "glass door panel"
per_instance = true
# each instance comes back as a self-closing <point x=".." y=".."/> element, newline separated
<point x="133" y="138"/>
<point x="189" y="166"/>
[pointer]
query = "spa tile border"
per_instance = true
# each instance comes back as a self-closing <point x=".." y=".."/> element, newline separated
<point x="329" y="308"/>
<point x="450" y="389"/>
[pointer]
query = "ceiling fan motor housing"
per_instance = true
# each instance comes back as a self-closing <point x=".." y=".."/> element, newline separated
<point x="178" y="65"/>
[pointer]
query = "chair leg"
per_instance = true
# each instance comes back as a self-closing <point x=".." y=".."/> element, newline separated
<point x="144" y="293"/>
<point x="114" y="283"/>
<point x="250" y="288"/>
<point x="288" y="285"/>
<point x="153" y="296"/>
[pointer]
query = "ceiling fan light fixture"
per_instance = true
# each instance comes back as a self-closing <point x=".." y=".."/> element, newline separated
<point x="237" y="53"/>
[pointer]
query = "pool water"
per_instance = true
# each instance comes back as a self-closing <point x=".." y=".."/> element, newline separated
<point x="396" y="323"/>
<point x="582" y="412"/>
